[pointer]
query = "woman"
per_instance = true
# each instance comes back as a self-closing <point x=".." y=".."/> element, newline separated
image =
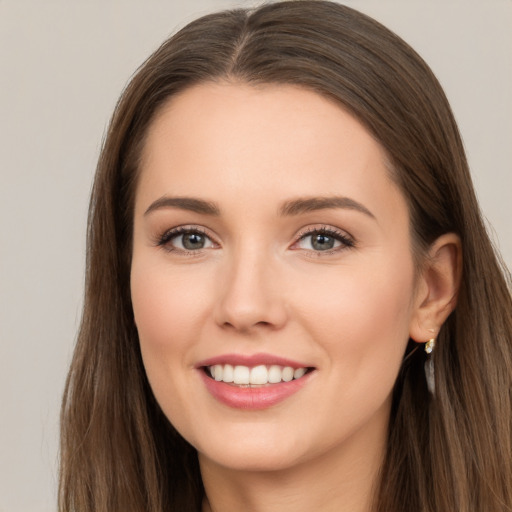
<point x="282" y="219"/>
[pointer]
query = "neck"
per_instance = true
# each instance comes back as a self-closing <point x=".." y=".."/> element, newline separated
<point x="343" y="480"/>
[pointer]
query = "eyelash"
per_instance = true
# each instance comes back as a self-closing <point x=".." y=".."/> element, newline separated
<point x="346" y="241"/>
<point x="163" y="240"/>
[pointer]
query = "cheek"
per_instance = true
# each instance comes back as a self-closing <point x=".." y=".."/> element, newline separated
<point x="362" y="326"/>
<point x="165" y="304"/>
<point x="363" y="314"/>
<point x="169" y="313"/>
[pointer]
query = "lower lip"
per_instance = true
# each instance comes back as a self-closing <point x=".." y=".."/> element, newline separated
<point x="253" y="398"/>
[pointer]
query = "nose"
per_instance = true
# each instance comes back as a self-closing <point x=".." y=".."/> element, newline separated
<point x="250" y="294"/>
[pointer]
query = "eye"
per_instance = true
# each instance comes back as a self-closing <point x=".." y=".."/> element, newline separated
<point x="323" y="240"/>
<point x="185" y="239"/>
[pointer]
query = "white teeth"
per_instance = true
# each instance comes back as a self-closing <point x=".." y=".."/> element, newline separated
<point x="274" y="374"/>
<point x="287" y="373"/>
<point x="217" y="372"/>
<point x="227" y="376"/>
<point x="241" y="375"/>
<point x="299" y="372"/>
<point x="257" y="375"/>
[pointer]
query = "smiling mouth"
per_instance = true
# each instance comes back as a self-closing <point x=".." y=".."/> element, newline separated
<point x="260" y="375"/>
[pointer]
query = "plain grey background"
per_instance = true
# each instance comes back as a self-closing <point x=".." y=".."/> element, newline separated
<point x="62" y="67"/>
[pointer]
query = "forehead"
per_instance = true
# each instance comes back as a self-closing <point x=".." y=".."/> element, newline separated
<point x="251" y="114"/>
<point x="265" y="141"/>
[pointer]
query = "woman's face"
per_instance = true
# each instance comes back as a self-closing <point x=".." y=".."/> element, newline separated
<point x="269" y="241"/>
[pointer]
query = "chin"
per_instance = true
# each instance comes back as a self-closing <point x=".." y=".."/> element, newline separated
<point x="252" y="459"/>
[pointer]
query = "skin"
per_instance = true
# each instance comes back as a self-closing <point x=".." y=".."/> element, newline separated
<point x="259" y="285"/>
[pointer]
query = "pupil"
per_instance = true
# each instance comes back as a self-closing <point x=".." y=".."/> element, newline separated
<point x="193" y="241"/>
<point x="323" y="242"/>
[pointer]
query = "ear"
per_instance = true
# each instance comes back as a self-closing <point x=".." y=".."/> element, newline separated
<point x="437" y="288"/>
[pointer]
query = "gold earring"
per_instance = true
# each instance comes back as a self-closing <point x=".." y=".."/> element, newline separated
<point x="429" y="366"/>
<point x="430" y="345"/>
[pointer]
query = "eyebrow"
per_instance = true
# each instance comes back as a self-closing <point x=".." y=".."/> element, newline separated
<point x="289" y="208"/>
<point x="310" y="204"/>
<point x="184" y="203"/>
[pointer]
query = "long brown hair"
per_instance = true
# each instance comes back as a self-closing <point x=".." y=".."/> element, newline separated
<point x="451" y="452"/>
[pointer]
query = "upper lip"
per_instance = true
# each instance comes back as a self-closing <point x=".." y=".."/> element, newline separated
<point x="251" y="360"/>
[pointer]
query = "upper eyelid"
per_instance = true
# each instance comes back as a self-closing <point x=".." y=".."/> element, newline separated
<point x="170" y="233"/>
<point x="186" y="228"/>
<point x="346" y="239"/>
<point x="308" y="230"/>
